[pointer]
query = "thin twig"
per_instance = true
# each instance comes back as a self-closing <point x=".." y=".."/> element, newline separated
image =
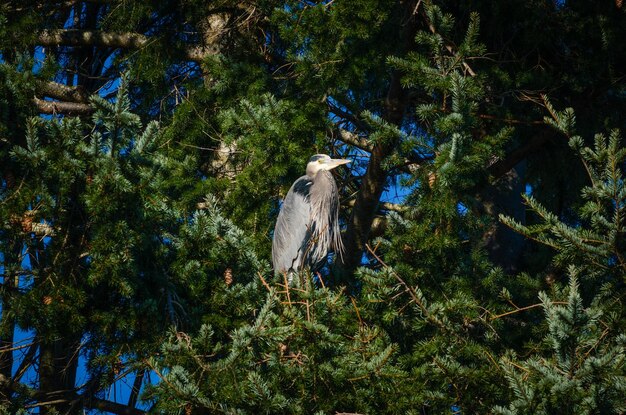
<point x="357" y="310"/>
<point x="529" y="307"/>
<point x="264" y="282"/>
<point x="287" y="287"/>
<point x="408" y="288"/>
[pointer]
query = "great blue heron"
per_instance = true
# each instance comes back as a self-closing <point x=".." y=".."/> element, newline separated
<point x="308" y="223"/>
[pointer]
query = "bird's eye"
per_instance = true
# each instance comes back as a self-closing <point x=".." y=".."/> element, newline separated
<point x="319" y="161"/>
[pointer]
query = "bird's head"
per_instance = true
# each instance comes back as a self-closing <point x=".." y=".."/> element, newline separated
<point x="322" y="162"/>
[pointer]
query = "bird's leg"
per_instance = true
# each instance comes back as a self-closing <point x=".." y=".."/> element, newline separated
<point x="287" y="287"/>
<point x="319" y="277"/>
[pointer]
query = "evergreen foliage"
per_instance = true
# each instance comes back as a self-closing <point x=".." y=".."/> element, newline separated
<point x="585" y="371"/>
<point x="304" y="351"/>
<point x="595" y="240"/>
<point x="145" y="148"/>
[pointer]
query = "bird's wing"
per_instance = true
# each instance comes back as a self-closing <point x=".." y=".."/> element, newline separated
<point x="292" y="227"/>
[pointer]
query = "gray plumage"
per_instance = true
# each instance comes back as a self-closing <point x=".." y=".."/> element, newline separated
<point x="308" y="223"/>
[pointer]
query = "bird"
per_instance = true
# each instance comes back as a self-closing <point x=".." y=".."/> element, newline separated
<point x="307" y="228"/>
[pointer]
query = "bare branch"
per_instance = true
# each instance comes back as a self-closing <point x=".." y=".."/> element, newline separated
<point x="117" y="40"/>
<point x="90" y="402"/>
<point x="395" y="207"/>
<point x="339" y="112"/>
<point x="503" y="166"/>
<point x="134" y="393"/>
<point x="57" y="5"/>
<point x="72" y="37"/>
<point x="58" y="107"/>
<point x="62" y="92"/>
<point x="407" y="165"/>
<point x="113" y="407"/>
<point x="26" y="362"/>
<point x="199" y="53"/>
<point x="410" y="290"/>
<point x="94" y="403"/>
<point x="519" y="309"/>
<point x="353" y="139"/>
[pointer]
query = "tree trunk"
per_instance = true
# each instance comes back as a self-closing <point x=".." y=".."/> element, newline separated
<point x="7" y="320"/>
<point x="375" y="178"/>
<point x="58" y="362"/>
<point x="505" y="247"/>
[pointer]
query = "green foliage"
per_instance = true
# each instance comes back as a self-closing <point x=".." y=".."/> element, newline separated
<point x="143" y="246"/>
<point x="71" y="170"/>
<point x="441" y="233"/>
<point x="339" y="49"/>
<point x="416" y="337"/>
<point x="271" y="139"/>
<point x="305" y="350"/>
<point x="584" y="372"/>
<point x="114" y="259"/>
<point x="581" y="367"/>
<point x="596" y="241"/>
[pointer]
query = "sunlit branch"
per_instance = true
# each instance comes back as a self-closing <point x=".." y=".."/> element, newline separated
<point x="62" y="92"/>
<point x="117" y="40"/>
<point x="62" y="107"/>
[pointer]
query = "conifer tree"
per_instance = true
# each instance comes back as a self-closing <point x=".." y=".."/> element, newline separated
<point x="584" y="373"/>
<point x="431" y="348"/>
<point x="581" y="366"/>
<point x="140" y="249"/>
<point x="88" y="262"/>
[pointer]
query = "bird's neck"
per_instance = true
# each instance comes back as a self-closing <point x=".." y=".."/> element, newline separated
<point x="319" y="175"/>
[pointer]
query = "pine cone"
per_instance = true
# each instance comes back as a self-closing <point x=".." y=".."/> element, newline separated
<point x="228" y="277"/>
<point x="27" y="223"/>
<point x="432" y="178"/>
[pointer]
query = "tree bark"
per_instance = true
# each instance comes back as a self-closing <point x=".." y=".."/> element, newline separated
<point x="505" y="246"/>
<point x="7" y="321"/>
<point x="76" y="37"/>
<point x="115" y="40"/>
<point x="373" y="182"/>
<point x="63" y="92"/>
<point x="58" y="107"/>
<point x="514" y="157"/>
<point x="58" y="363"/>
<point x="7" y="330"/>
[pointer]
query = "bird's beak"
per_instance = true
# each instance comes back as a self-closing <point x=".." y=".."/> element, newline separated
<point x="332" y="163"/>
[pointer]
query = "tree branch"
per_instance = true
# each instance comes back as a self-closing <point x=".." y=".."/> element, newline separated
<point x="134" y="393"/>
<point x="113" y="407"/>
<point x="395" y="207"/>
<point x="73" y="37"/>
<point x="345" y="115"/>
<point x="57" y="5"/>
<point x="93" y="403"/>
<point x="62" y="92"/>
<point x="58" y="107"/>
<point x="375" y="177"/>
<point x="117" y="40"/>
<point x="407" y="165"/>
<point x="26" y="362"/>
<point x="503" y="166"/>
<point x="44" y="399"/>
<point x="353" y="139"/>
